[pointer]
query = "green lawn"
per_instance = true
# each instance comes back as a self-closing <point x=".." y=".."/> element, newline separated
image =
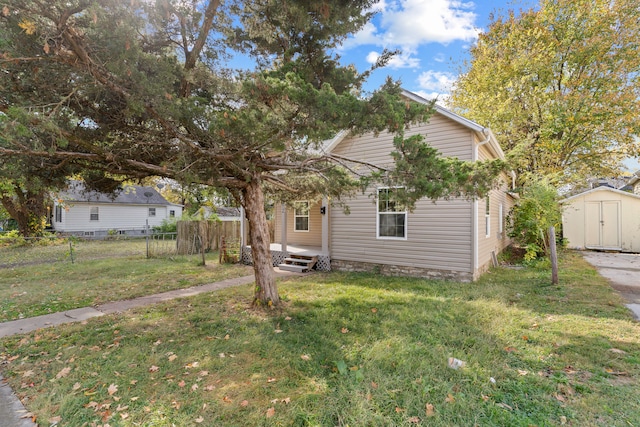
<point x="347" y="350"/>
<point x="99" y="276"/>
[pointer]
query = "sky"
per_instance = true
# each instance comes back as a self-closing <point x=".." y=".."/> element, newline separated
<point x="434" y="37"/>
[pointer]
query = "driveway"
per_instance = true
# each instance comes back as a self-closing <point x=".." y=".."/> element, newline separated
<point x="623" y="271"/>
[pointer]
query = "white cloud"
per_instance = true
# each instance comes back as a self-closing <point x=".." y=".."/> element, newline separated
<point x="409" y="23"/>
<point x="436" y="81"/>
<point x="436" y="84"/>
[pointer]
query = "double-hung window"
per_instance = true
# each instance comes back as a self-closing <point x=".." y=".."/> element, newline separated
<point x="58" y="213"/>
<point x="94" y="214"/>
<point x="392" y="217"/>
<point x="301" y="216"/>
<point x="152" y="211"/>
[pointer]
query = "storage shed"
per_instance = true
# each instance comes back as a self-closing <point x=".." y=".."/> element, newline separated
<point x="602" y="218"/>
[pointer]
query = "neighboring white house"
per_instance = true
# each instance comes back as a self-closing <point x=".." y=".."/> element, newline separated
<point x="130" y="211"/>
<point x="455" y="238"/>
<point x="603" y="219"/>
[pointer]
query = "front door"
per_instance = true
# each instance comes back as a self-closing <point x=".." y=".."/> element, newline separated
<point x="602" y="225"/>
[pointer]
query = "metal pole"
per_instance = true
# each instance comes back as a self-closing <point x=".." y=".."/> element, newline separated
<point x="147" y="234"/>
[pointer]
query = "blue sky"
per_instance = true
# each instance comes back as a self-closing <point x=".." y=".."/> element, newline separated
<point x="433" y="35"/>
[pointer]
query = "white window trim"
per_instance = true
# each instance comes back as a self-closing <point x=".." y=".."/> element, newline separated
<point x="296" y="216"/>
<point x="155" y="212"/>
<point x="501" y="219"/>
<point x="378" y="213"/>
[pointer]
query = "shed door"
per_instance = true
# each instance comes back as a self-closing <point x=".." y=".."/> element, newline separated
<point x="602" y="225"/>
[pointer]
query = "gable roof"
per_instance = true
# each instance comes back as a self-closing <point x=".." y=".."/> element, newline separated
<point x="130" y="195"/>
<point x="485" y="135"/>
<point x="601" y="188"/>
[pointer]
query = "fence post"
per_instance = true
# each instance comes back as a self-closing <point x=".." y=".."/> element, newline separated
<point x="147" y="234"/>
<point x="554" y="255"/>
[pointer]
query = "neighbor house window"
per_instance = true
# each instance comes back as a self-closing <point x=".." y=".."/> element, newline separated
<point x="392" y="217"/>
<point x="58" y="213"/>
<point x="301" y="216"/>
<point x="94" y="214"/>
<point x="487" y="217"/>
<point x="172" y="213"/>
<point x="152" y="211"/>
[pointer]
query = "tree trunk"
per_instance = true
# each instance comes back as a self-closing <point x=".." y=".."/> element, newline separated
<point x="266" y="291"/>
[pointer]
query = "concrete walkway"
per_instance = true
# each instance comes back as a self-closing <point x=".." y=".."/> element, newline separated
<point x="12" y="412"/>
<point x="623" y="272"/>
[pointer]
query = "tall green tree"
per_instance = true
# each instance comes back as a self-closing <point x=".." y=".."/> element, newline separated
<point x="560" y="87"/>
<point x="140" y="88"/>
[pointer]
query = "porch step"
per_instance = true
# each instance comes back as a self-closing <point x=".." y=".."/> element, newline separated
<point x="298" y="263"/>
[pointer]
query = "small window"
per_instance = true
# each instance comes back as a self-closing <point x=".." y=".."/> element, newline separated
<point x="487" y="217"/>
<point x="500" y="219"/>
<point x="89" y="233"/>
<point x="58" y="213"/>
<point x="392" y="218"/>
<point x="172" y="213"/>
<point x="94" y="214"/>
<point x="152" y="211"/>
<point x="301" y="216"/>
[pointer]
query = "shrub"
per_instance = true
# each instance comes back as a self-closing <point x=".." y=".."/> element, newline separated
<point x="528" y="222"/>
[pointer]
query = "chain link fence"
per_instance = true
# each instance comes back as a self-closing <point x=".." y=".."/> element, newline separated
<point x="19" y="251"/>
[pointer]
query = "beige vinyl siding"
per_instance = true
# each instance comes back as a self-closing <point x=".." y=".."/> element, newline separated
<point x="450" y="138"/>
<point x="438" y="236"/>
<point x="496" y="241"/>
<point x="313" y="237"/>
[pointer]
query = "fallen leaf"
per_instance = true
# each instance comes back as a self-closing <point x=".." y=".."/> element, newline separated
<point x="374" y="385"/>
<point x="194" y="387"/>
<point x="221" y="355"/>
<point x="450" y="398"/>
<point x="374" y="310"/>
<point x="398" y="410"/>
<point x="504" y="406"/>
<point x="559" y="397"/>
<point x="525" y="338"/>
<point x="76" y="386"/>
<point x="209" y="387"/>
<point x="227" y="399"/>
<point x="414" y="420"/>
<point x="244" y="403"/>
<point x="157" y="343"/>
<point x="27" y="374"/>
<point x="175" y="404"/>
<point x="55" y="420"/>
<point x="287" y="318"/>
<point x="522" y="372"/>
<point x="305" y="357"/>
<point x="181" y="384"/>
<point x="5" y="11"/>
<point x="172" y="357"/>
<point x="271" y="380"/>
<point x="617" y="351"/>
<point x="122" y="408"/>
<point x="484" y="397"/>
<point x="226" y="337"/>
<point x="271" y="412"/>
<point x="344" y="330"/>
<point x="133" y="382"/>
<point x="112" y="389"/>
<point x="510" y="349"/>
<point x="63" y="373"/>
<point x="199" y="420"/>
<point x="278" y="331"/>
<point x="203" y="373"/>
<point x="153" y="368"/>
<point x="286" y="400"/>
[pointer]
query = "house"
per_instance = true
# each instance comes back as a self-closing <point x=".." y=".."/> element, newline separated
<point x="128" y="212"/>
<point x="452" y="239"/>
<point x="603" y="218"/>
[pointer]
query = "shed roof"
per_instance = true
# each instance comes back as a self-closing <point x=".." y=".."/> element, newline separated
<point x="599" y="189"/>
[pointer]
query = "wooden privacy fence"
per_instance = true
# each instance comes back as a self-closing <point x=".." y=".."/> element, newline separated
<point x="205" y="236"/>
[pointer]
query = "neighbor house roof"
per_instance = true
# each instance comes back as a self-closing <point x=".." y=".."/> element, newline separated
<point x="130" y="194"/>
